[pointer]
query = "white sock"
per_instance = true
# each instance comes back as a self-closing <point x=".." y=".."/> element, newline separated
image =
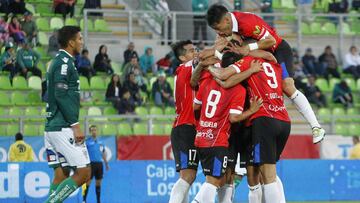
<point x="179" y="190"/>
<point x="186" y="197"/>
<point x="225" y="193"/>
<point x="206" y="194"/>
<point x="255" y="194"/>
<point x="271" y="193"/>
<point x="304" y="107"/>
<point x="262" y="195"/>
<point x="281" y="189"/>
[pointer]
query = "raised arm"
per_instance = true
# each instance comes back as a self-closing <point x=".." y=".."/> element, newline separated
<point x="263" y="54"/>
<point x="222" y="73"/>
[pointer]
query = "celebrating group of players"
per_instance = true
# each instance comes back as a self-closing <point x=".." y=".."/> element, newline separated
<point x="229" y="100"/>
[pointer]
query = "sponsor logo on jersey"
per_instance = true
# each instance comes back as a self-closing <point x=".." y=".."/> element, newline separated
<point x="276" y="108"/>
<point x="257" y="30"/>
<point x="208" y="124"/>
<point x="207" y="134"/>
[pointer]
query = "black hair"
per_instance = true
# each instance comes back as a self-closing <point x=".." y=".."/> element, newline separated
<point x="84" y="51"/>
<point x="178" y="48"/>
<point x="215" y="13"/>
<point x="230" y="58"/>
<point x="101" y="47"/>
<point x="67" y="33"/>
<point x="18" y="136"/>
<point x="92" y="126"/>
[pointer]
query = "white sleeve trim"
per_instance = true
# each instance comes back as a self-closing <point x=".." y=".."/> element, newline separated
<point x="197" y="101"/>
<point x="74" y="124"/>
<point x="235" y="111"/>
<point x="267" y="33"/>
<point x="237" y="69"/>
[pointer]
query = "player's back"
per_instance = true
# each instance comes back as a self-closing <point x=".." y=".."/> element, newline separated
<point x="267" y="85"/>
<point x="184" y="95"/>
<point x="217" y="103"/>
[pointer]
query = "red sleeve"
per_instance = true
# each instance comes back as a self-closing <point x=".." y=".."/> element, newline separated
<point x="238" y="100"/>
<point x="198" y="96"/>
<point x="244" y="63"/>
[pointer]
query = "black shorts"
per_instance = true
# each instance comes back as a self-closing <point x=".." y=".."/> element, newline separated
<point x="97" y="170"/>
<point x="284" y="57"/>
<point x="269" y="137"/>
<point x="239" y="143"/>
<point x="214" y="160"/>
<point x="182" y="141"/>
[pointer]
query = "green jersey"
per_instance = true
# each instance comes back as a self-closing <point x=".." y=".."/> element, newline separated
<point x="63" y="93"/>
<point x="27" y="58"/>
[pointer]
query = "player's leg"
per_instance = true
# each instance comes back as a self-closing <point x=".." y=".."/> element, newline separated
<point x="60" y="174"/>
<point x="98" y="178"/>
<point x="75" y="156"/>
<point x="186" y="159"/>
<point x="283" y="54"/>
<point x="255" y="189"/>
<point x="226" y="191"/>
<point x="271" y="189"/>
<point x="88" y="183"/>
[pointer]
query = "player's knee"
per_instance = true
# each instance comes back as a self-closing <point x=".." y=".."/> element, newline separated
<point x="84" y="174"/>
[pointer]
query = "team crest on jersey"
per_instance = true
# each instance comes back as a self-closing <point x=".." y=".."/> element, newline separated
<point x="65" y="59"/>
<point x="257" y="30"/>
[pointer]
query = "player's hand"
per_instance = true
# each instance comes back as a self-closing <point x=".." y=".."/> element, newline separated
<point x="243" y="50"/>
<point x="78" y="134"/>
<point x="256" y="66"/>
<point x="107" y="166"/>
<point x="255" y="104"/>
<point x="220" y="43"/>
<point x="206" y="53"/>
<point x="214" y="71"/>
<point x="209" y="61"/>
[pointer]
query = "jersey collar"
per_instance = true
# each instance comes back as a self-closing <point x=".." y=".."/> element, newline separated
<point x="63" y="50"/>
<point x="235" y="27"/>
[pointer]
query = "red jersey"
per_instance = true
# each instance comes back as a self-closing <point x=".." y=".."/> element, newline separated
<point x="217" y="104"/>
<point x="249" y="25"/>
<point x="268" y="86"/>
<point x="184" y="95"/>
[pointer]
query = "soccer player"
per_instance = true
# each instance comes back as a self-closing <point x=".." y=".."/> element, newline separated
<point x="183" y="132"/>
<point x="219" y="108"/>
<point x="251" y="26"/>
<point x="270" y="126"/>
<point x="97" y="155"/>
<point x="64" y="140"/>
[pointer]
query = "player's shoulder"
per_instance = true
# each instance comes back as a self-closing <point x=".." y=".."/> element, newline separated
<point x="184" y="67"/>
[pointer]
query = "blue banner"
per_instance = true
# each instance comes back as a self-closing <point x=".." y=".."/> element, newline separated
<point x="151" y="182"/>
<point x="37" y="143"/>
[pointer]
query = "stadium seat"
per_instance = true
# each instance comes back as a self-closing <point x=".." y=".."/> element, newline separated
<point x="34" y="98"/>
<point x="151" y="82"/>
<point x="169" y="111"/>
<point x="347" y="30"/>
<point x="329" y="28"/>
<point x="19" y="83"/>
<point x="5" y="100"/>
<point x="41" y="129"/>
<point x="15" y="111"/>
<point x="155" y="110"/>
<point x="3" y="113"/>
<point x="322" y="84"/>
<point x="31" y="111"/>
<point x="5" y="82"/>
<point x="170" y="81"/>
<point x="12" y="129"/>
<point x="109" y="110"/>
<point x="84" y="83"/>
<point x="141" y="111"/>
<point x="44" y="10"/>
<point x="95" y="111"/>
<point x="108" y="129"/>
<point x="90" y="25"/>
<point x="31" y="130"/>
<point x="288" y="4"/>
<point x="18" y="98"/>
<point x="355" y="27"/>
<point x="140" y="129"/>
<point x="324" y="114"/>
<point x="354" y="130"/>
<point x="100" y="25"/>
<point x="124" y="129"/>
<point x="42" y="52"/>
<point x="98" y="98"/>
<point x="276" y="4"/>
<point x="116" y="67"/>
<point x="341" y="129"/>
<point x="30" y="8"/>
<point x="82" y="114"/>
<point x="315" y="28"/>
<point x="2" y="130"/>
<point x="333" y="82"/>
<point x="339" y="111"/>
<point x="351" y="83"/>
<point x="71" y="21"/>
<point x="97" y="83"/>
<point x="43" y="39"/>
<point x="56" y="23"/>
<point x="42" y="24"/>
<point x="157" y="129"/>
<point x="305" y="29"/>
<point x="168" y="129"/>
<point x="34" y="82"/>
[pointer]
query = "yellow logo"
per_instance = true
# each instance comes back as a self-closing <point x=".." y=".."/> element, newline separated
<point x="257" y="30"/>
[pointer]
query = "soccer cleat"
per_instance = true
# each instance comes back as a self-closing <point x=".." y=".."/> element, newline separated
<point x="318" y="134"/>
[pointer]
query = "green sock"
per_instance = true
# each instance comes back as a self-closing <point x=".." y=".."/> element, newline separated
<point x="53" y="188"/>
<point x="65" y="189"/>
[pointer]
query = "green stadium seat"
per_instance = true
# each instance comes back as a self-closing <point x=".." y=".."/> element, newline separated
<point x="116" y="67"/>
<point x="353" y="112"/>
<point x="2" y="130"/>
<point x="34" y="98"/>
<point x="141" y="111"/>
<point x="171" y="82"/>
<point x="152" y="81"/>
<point x="12" y="129"/>
<point x="31" y="111"/>
<point x="168" y="129"/>
<point x="288" y="4"/>
<point x="155" y="110"/>
<point x="97" y="83"/>
<point x="98" y="98"/>
<point x="44" y="10"/>
<point x="82" y="114"/>
<point x="101" y="25"/>
<point x="42" y="67"/>
<point x="354" y="130"/>
<point x="140" y="129"/>
<point x="276" y="4"/>
<point x="157" y="129"/>
<point x="339" y="111"/>
<point x="31" y="130"/>
<point x="324" y="114"/>
<point x="322" y="84"/>
<point x="3" y="113"/>
<point x="43" y="39"/>
<point x="19" y="83"/>
<point x="347" y="30"/>
<point x="169" y="111"/>
<point x="341" y="129"/>
<point x="15" y="111"/>
<point x="71" y="21"/>
<point x="329" y="28"/>
<point x="109" y="110"/>
<point x="95" y="111"/>
<point x="56" y="23"/>
<point x="84" y="83"/>
<point x="41" y="129"/>
<point x="5" y="82"/>
<point x="19" y="99"/>
<point x="42" y="52"/>
<point x="315" y="28"/>
<point x="124" y="129"/>
<point x="34" y="82"/>
<point x="30" y="8"/>
<point x="351" y="83"/>
<point x="109" y="129"/>
<point x="5" y="100"/>
<point x="305" y="29"/>
<point x="355" y="27"/>
<point x="333" y="82"/>
<point x="90" y="25"/>
<point x="42" y="24"/>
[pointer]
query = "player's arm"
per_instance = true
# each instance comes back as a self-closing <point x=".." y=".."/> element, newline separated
<point x="195" y="77"/>
<point x="240" y="116"/>
<point x="105" y="160"/>
<point x="222" y="73"/>
<point x="263" y="54"/>
<point x="197" y="105"/>
<point x="241" y="76"/>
